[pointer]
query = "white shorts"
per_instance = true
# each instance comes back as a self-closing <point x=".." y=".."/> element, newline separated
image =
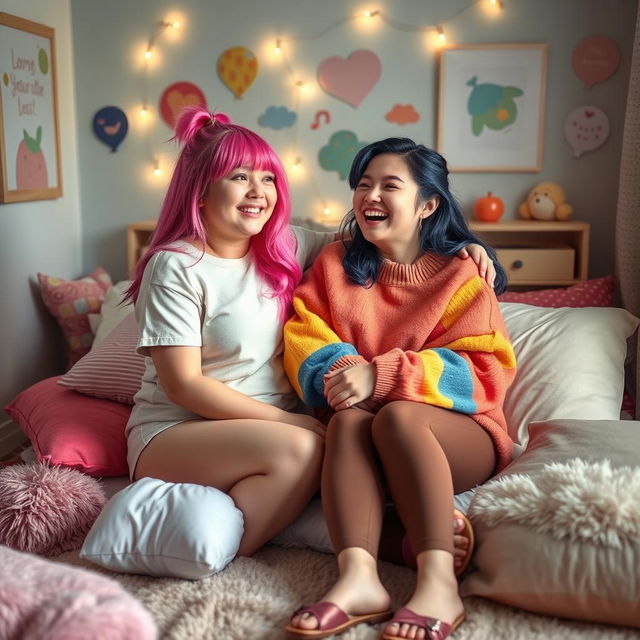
<point x="140" y="436"/>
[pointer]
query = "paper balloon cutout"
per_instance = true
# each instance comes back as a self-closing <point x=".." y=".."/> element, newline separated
<point x="350" y="79"/>
<point x="594" y="59"/>
<point x="110" y="125"/>
<point x="586" y="129"/>
<point x="176" y="97"/>
<point x="237" y="68"/>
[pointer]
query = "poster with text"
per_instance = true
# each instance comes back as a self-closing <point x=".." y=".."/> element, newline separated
<point x="29" y="144"/>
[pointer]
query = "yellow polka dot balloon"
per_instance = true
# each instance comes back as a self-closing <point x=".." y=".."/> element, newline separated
<point x="237" y="68"/>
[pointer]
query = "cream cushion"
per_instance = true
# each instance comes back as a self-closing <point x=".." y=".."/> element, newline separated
<point x="558" y="531"/>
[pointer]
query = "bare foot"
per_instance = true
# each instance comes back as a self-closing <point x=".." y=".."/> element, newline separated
<point x="436" y="595"/>
<point x="358" y="590"/>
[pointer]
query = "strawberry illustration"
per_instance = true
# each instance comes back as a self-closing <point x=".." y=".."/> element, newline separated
<point x="31" y="167"/>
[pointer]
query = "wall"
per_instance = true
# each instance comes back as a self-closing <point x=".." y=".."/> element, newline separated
<point x="118" y="188"/>
<point x="43" y="235"/>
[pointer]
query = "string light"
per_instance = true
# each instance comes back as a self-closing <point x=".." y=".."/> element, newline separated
<point x="371" y="14"/>
<point x="147" y="54"/>
<point x="156" y="167"/>
<point x="326" y="211"/>
<point x="278" y="48"/>
<point x="144" y="111"/>
<point x="441" y="35"/>
<point x="497" y="3"/>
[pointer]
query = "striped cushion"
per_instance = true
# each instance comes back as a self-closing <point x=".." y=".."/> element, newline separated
<point x="113" y="370"/>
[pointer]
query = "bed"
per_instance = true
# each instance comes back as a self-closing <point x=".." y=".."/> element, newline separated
<point x="574" y="363"/>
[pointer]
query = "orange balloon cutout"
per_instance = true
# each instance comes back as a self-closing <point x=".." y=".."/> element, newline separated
<point x="594" y="59"/>
<point x="237" y="68"/>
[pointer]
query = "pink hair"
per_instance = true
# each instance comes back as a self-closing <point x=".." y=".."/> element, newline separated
<point x="214" y="146"/>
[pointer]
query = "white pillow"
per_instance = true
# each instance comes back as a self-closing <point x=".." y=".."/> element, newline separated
<point x="111" y="312"/>
<point x="570" y="363"/>
<point x="157" y="528"/>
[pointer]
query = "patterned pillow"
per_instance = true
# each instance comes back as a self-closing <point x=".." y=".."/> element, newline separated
<point x="70" y="302"/>
<point x="597" y="292"/>
<point x="112" y="370"/>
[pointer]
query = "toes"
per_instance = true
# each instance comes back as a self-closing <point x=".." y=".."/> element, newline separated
<point x="304" y="621"/>
<point x="461" y="543"/>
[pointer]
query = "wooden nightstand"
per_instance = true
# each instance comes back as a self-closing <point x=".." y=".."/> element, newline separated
<point x="538" y="253"/>
<point x="138" y="235"/>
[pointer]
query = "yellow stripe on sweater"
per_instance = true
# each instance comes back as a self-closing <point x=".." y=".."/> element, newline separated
<point x="461" y="301"/>
<point x="495" y="343"/>
<point x="304" y="334"/>
<point x="433" y="368"/>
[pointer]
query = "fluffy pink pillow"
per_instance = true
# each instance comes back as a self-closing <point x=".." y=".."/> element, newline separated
<point x="72" y="430"/>
<point x="112" y="370"/>
<point x="597" y="292"/>
<point x="70" y="302"/>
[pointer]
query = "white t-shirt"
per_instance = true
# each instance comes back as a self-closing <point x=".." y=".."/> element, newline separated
<point x="190" y="299"/>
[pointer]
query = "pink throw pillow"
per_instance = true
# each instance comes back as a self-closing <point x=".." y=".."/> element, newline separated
<point x="70" y="302"/>
<point x="597" y="292"/>
<point x="113" y="370"/>
<point x="72" y="430"/>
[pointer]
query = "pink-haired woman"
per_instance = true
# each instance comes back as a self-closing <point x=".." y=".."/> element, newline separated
<point x="211" y="297"/>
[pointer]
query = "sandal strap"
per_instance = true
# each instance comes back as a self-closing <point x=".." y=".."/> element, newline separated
<point x="436" y="629"/>
<point x="329" y="615"/>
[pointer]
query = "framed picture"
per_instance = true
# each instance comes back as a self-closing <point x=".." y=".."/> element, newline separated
<point x="29" y="139"/>
<point x="491" y="107"/>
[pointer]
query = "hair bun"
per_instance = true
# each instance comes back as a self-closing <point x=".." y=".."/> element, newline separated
<point x="192" y="119"/>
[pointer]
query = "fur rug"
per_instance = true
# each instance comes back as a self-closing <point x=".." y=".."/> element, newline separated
<point x="253" y="598"/>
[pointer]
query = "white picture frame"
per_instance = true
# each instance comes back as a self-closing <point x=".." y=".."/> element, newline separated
<point x="491" y="107"/>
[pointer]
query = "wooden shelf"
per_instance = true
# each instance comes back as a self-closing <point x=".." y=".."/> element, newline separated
<point x="558" y="251"/>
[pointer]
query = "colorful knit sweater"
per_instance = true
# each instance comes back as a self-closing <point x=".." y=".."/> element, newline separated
<point x="433" y="330"/>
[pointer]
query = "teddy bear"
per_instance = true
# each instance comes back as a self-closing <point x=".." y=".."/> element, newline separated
<point x="546" y="201"/>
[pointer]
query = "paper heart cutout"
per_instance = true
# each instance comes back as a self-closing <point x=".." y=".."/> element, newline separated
<point x="350" y="79"/>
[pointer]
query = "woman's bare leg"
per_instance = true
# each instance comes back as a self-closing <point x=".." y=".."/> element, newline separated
<point x="270" y="469"/>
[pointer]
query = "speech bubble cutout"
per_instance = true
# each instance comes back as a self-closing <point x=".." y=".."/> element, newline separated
<point x="586" y="129"/>
<point x="176" y="97"/>
<point x="110" y="125"/>
<point x="237" y="68"/>
<point x="594" y="59"/>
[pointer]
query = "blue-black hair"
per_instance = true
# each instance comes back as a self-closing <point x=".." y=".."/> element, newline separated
<point x="444" y="232"/>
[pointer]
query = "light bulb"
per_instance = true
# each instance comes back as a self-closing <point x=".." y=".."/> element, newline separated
<point x="441" y="36"/>
<point x="175" y="25"/>
<point x="144" y="112"/>
<point x="277" y="47"/>
<point x="326" y="211"/>
<point x="147" y="54"/>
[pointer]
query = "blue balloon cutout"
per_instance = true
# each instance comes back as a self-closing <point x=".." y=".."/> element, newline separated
<point x="110" y="124"/>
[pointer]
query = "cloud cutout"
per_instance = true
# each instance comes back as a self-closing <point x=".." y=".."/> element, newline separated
<point x="402" y="114"/>
<point x="338" y="154"/>
<point x="277" y="118"/>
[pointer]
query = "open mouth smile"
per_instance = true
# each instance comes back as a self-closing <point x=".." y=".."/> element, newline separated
<point x="252" y="212"/>
<point x="373" y="216"/>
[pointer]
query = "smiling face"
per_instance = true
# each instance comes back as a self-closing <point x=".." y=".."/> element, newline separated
<point x="388" y="210"/>
<point x="236" y="207"/>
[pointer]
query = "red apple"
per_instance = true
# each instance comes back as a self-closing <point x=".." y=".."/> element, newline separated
<point x="489" y="208"/>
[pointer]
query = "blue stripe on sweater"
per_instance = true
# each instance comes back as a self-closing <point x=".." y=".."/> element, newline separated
<point x="455" y="382"/>
<point x="312" y="370"/>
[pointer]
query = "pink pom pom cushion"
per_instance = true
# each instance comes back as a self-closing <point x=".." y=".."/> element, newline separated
<point x="47" y="510"/>
<point x="113" y="370"/>
<point x="70" y="302"/>
<point x="73" y="430"/>
<point x="597" y="292"/>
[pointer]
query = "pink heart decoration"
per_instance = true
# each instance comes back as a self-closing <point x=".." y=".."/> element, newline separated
<point x="350" y="79"/>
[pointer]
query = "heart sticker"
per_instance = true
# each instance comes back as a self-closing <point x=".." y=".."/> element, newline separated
<point x="350" y="79"/>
